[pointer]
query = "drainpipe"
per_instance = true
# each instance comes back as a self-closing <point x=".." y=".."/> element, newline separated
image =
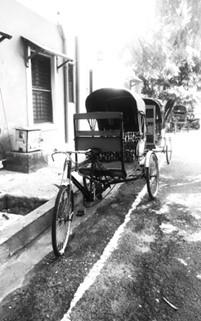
<point x="65" y="81"/>
<point x="90" y="81"/>
<point x="77" y="76"/>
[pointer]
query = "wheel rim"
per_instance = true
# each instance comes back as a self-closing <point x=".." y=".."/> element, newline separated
<point x="63" y="221"/>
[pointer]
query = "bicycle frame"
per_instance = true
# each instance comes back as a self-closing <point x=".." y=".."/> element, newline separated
<point x="69" y="176"/>
<point x="88" y="195"/>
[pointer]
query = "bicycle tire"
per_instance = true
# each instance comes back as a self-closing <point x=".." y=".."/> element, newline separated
<point x="152" y="176"/>
<point x="168" y="151"/>
<point x="61" y="220"/>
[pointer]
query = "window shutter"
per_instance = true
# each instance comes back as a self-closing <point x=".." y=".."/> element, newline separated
<point x="41" y="89"/>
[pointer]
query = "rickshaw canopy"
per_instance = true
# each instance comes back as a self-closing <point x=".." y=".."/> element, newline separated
<point x="117" y="100"/>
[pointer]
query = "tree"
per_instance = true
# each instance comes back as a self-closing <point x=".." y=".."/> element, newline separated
<point x="169" y="60"/>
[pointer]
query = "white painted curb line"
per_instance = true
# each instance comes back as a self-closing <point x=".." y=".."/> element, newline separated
<point x="111" y="246"/>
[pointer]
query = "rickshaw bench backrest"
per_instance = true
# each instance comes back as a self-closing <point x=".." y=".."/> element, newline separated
<point x="107" y="142"/>
<point x="88" y="134"/>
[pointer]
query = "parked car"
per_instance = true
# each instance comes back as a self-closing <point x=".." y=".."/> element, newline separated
<point x="178" y="117"/>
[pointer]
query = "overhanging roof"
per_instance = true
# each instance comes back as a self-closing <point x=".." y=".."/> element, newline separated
<point x="38" y="48"/>
<point x="4" y="36"/>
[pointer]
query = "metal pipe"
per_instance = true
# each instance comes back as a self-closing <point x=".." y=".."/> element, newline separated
<point x="77" y="76"/>
<point x="90" y="81"/>
<point x="65" y="82"/>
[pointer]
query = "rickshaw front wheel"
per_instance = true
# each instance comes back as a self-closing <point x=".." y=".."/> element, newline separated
<point x="62" y="219"/>
<point x="152" y="176"/>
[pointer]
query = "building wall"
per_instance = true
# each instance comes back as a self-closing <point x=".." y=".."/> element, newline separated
<point x="15" y="109"/>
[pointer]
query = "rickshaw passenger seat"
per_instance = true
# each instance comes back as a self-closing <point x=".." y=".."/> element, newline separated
<point x="98" y="172"/>
<point x="109" y="141"/>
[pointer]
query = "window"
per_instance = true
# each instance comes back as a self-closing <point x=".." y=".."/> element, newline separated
<point x="71" y="82"/>
<point x="41" y="89"/>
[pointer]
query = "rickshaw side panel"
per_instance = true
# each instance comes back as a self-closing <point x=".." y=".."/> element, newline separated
<point x="154" y="122"/>
<point x="150" y="127"/>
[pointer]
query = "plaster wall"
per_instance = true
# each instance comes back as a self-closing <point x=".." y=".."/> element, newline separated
<point x="17" y="20"/>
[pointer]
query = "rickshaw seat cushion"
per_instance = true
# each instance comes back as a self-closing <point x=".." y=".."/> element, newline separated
<point x="111" y="172"/>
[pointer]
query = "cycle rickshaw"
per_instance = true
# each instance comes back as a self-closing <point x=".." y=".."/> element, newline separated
<point x="179" y="118"/>
<point x="116" y="141"/>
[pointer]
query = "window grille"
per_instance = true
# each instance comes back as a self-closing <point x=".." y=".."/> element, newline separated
<point x="41" y="89"/>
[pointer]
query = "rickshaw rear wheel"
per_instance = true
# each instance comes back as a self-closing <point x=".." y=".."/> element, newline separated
<point x="168" y="151"/>
<point x="62" y="219"/>
<point x="152" y="176"/>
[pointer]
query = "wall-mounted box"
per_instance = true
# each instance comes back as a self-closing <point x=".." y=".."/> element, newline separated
<point x="27" y="140"/>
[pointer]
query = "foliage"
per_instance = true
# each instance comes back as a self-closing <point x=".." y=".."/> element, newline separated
<point x="168" y="62"/>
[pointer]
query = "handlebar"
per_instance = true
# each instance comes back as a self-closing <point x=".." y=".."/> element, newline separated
<point x="88" y="152"/>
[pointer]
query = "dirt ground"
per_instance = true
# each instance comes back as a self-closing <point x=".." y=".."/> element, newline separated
<point x="153" y="273"/>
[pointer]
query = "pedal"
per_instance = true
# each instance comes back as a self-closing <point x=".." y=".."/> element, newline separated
<point x="80" y="212"/>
